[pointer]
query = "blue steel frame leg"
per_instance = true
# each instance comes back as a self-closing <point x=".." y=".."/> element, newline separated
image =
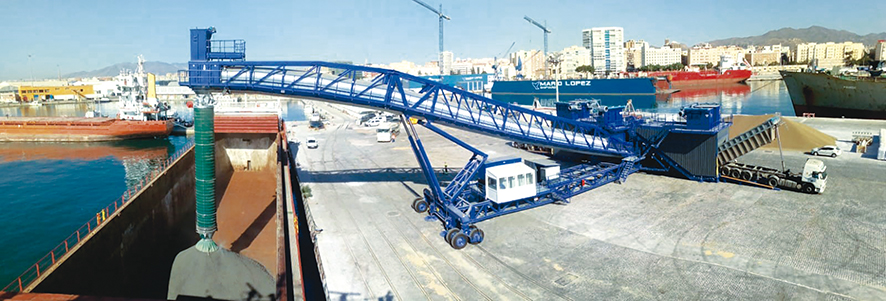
<point x="440" y="205"/>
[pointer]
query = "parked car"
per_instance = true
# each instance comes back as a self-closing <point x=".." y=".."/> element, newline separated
<point x="312" y="143"/>
<point x="374" y="121"/>
<point x="827" y="150"/>
<point x="366" y="117"/>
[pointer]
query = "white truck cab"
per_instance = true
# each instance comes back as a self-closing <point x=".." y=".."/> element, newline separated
<point x="815" y="176"/>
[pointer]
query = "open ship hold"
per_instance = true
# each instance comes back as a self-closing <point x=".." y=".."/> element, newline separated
<point x="825" y="95"/>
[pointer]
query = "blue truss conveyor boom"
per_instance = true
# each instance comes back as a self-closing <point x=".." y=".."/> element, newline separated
<point x="386" y="90"/>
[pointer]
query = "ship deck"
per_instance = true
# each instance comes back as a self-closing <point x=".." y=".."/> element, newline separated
<point x="67" y="121"/>
<point x="653" y="237"/>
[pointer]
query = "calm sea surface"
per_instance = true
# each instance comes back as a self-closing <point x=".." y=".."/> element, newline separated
<point x="48" y="190"/>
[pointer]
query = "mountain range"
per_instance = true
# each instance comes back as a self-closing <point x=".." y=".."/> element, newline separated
<point x="792" y="37"/>
<point x="158" y="68"/>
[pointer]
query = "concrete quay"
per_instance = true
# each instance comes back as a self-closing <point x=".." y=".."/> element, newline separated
<point x="653" y="237"/>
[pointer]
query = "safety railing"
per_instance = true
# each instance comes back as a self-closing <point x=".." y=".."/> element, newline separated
<point x="235" y="46"/>
<point x="73" y="241"/>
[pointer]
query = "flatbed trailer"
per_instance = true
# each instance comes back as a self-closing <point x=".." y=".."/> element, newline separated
<point x="813" y="179"/>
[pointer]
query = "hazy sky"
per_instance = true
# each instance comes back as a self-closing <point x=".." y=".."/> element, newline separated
<point x="88" y="35"/>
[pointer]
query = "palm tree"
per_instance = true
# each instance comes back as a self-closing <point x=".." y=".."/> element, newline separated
<point x="585" y="69"/>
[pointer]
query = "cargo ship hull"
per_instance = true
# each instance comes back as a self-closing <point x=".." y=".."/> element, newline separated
<point x="616" y="86"/>
<point x="544" y="91"/>
<point x="827" y="96"/>
<point x="74" y="129"/>
<point x="681" y="79"/>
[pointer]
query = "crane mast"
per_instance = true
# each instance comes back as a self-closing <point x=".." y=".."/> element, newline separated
<point x="546" y="31"/>
<point x="441" y="16"/>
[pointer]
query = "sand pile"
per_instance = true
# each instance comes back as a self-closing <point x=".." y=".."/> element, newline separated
<point x="794" y="135"/>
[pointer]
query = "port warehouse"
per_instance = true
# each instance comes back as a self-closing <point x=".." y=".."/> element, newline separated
<point x="29" y="93"/>
<point x="91" y="90"/>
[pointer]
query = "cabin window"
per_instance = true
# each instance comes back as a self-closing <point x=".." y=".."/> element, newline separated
<point x="511" y="182"/>
<point x="491" y="182"/>
<point x="521" y="180"/>
<point x="502" y="182"/>
<point x="529" y="178"/>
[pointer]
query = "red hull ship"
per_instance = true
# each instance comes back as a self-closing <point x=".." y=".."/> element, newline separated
<point x="76" y="129"/>
<point x="679" y="79"/>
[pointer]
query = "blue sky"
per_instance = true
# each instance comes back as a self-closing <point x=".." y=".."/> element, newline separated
<point x="88" y="35"/>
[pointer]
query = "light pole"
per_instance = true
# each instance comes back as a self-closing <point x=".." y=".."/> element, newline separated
<point x="555" y="60"/>
<point x="30" y="71"/>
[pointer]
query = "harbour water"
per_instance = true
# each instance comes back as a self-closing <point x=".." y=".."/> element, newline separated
<point x="48" y="190"/>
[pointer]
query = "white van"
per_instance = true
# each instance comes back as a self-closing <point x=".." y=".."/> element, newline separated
<point x="375" y="121"/>
<point x="386" y="132"/>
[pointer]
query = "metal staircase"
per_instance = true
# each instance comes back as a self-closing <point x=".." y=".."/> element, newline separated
<point x="748" y="141"/>
<point x="627" y="168"/>
<point x="464" y="176"/>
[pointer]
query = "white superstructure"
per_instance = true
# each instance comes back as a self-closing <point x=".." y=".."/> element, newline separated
<point x="134" y="101"/>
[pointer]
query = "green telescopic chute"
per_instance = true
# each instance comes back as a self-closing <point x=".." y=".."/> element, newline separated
<point x="204" y="151"/>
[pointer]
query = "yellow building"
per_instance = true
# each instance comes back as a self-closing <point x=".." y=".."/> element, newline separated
<point x="29" y="93"/>
<point x="706" y="54"/>
<point x="828" y="54"/>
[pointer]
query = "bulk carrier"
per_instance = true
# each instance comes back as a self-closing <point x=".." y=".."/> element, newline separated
<point x="728" y="72"/>
<point x="140" y="115"/>
<point x="824" y="95"/>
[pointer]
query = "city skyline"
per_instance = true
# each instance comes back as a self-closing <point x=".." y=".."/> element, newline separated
<point x="69" y="37"/>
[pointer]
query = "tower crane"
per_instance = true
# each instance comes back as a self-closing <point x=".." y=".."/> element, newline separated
<point x="495" y="60"/>
<point x="441" y="16"/>
<point x="546" y="31"/>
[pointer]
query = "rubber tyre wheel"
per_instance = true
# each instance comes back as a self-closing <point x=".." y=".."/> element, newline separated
<point x="476" y="236"/>
<point x="450" y="233"/>
<point x="808" y="188"/>
<point x="815" y="154"/>
<point x="724" y="171"/>
<point x="459" y="241"/>
<point x="746" y="175"/>
<point x="420" y="205"/>
<point x="834" y="155"/>
<point x="772" y="181"/>
<point x="735" y="173"/>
